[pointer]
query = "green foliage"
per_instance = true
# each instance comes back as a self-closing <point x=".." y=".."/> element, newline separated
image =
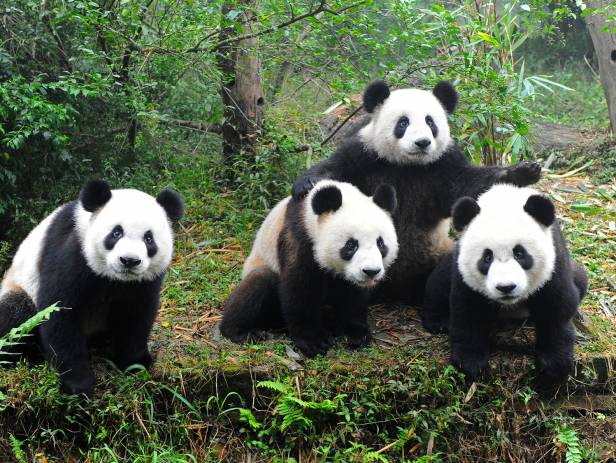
<point x="13" y="337"/>
<point x="16" y="446"/>
<point x="568" y="437"/>
<point x="294" y="411"/>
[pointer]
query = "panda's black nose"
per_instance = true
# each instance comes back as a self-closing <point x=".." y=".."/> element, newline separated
<point x="506" y="289"/>
<point x="372" y="272"/>
<point x="129" y="262"/>
<point x="423" y="143"/>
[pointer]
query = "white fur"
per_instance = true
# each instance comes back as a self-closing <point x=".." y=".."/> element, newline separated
<point x="24" y="271"/>
<point x="502" y="224"/>
<point x="136" y="212"/>
<point x="415" y="104"/>
<point x="358" y="218"/>
<point x="265" y="247"/>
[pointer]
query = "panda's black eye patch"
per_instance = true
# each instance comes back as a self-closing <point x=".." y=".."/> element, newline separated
<point x="383" y="249"/>
<point x="349" y="249"/>
<point x="401" y="126"/>
<point x="113" y="237"/>
<point x="523" y="257"/>
<point x="150" y="244"/>
<point x="485" y="261"/>
<point x="432" y="125"/>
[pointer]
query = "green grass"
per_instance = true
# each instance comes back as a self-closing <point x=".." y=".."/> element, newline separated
<point x="583" y="107"/>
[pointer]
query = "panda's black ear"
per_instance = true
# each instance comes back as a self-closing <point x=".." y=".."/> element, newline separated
<point x="464" y="210"/>
<point x="376" y="92"/>
<point x="447" y="95"/>
<point x="385" y="197"/>
<point x="94" y="195"/>
<point x="327" y="199"/>
<point x="172" y="203"/>
<point x="541" y="209"/>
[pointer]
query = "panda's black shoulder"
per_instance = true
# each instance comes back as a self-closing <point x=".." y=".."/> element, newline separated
<point x="452" y="158"/>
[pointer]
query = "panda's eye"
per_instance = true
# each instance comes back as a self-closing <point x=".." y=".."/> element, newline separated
<point x="380" y="243"/>
<point x="488" y="256"/>
<point x="519" y="253"/>
<point x="430" y="121"/>
<point x="117" y="232"/>
<point x="349" y="249"/>
<point x="148" y="237"/>
<point x="403" y="123"/>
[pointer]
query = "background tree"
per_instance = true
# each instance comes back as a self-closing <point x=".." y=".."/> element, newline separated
<point x="602" y="27"/>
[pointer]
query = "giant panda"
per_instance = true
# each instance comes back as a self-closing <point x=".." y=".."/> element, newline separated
<point x="511" y="261"/>
<point x="103" y="258"/>
<point x="332" y="247"/>
<point x="406" y="142"/>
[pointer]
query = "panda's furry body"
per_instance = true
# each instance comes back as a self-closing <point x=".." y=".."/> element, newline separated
<point x="330" y="248"/>
<point x="103" y="259"/>
<point x="511" y="261"/>
<point x="406" y="143"/>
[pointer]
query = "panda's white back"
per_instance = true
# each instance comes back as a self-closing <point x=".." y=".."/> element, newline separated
<point x="265" y="248"/>
<point x="23" y="274"/>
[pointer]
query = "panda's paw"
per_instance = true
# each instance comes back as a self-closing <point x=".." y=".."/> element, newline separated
<point x="434" y="324"/>
<point x="302" y="187"/>
<point x="471" y="363"/>
<point x="81" y="386"/>
<point x="526" y="173"/>
<point x="358" y="336"/>
<point x="552" y="369"/>
<point x="313" y="345"/>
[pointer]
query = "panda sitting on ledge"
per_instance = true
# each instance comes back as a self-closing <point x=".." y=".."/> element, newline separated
<point x="511" y="262"/>
<point x="406" y="143"/>
<point x="103" y="258"/>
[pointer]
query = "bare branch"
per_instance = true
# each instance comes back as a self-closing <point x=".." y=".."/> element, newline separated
<point x="193" y="125"/>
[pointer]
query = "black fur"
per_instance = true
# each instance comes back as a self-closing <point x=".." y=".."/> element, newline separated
<point x="375" y="94"/>
<point x="327" y="199"/>
<point x="470" y="317"/>
<point x="385" y="197"/>
<point x="464" y="210"/>
<point x="426" y="194"/>
<point x="447" y="95"/>
<point x="541" y="209"/>
<point x="172" y="203"/>
<point x="295" y="298"/>
<point x="94" y="195"/>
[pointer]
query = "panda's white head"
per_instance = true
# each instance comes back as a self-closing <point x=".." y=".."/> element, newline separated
<point x="506" y="249"/>
<point x="127" y="235"/>
<point x="352" y="234"/>
<point x="408" y="126"/>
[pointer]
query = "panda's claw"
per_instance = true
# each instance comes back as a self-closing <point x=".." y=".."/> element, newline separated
<point x="552" y="370"/>
<point x="471" y="363"/>
<point x="434" y="324"/>
<point x="302" y="187"/>
<point x="526" y="173"/>
<point x="314" y="345"/>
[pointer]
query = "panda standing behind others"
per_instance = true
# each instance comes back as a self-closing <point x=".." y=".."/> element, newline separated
<point x="407" y="143"/>
<point x="103" y="259"/>
<point x="331" y="248"/>
<point x="511" y="262"/>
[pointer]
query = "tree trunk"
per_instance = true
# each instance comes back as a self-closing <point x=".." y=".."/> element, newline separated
<point x="241" y="89"/>
<point x="605" y="50"/>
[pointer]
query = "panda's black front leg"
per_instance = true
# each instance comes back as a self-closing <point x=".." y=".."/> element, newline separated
<point x="301" y="293"/>
<point x="351" y="313"/>
<point x="64" y="344"/>
<point x="475" y="180"/>
<point x="130" y="325"/>
<point x="469" y="330"/>
<point x="435" y="310"/>
<point x="554" y="351"/>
